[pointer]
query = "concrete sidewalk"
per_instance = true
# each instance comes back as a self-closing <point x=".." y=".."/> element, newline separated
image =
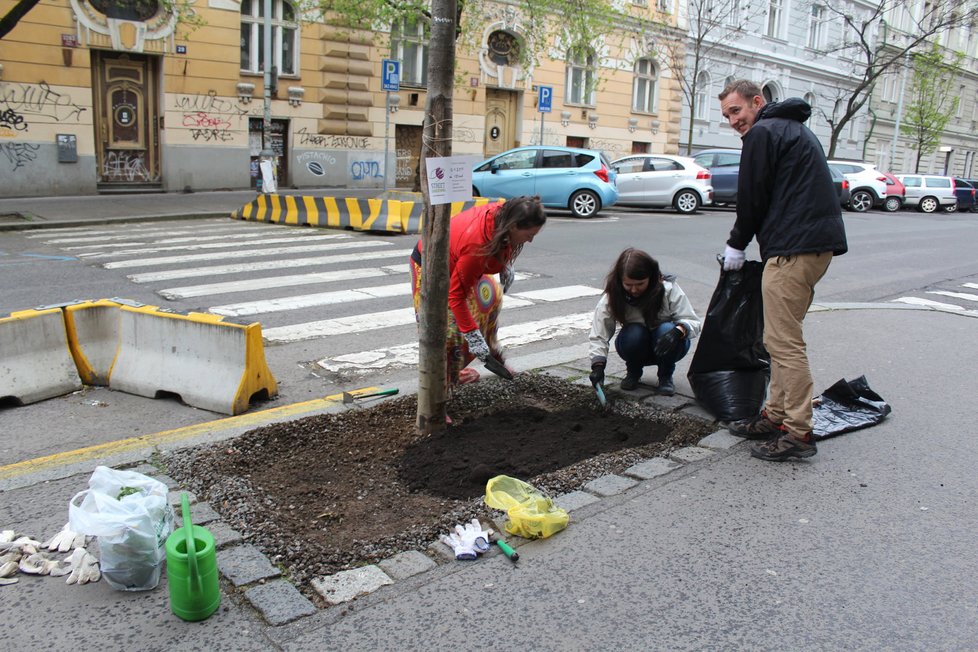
<point x="48" y="212"/>
<point x="867" y="546"/>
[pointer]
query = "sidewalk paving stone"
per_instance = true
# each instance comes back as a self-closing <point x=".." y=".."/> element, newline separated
<point x="204" y="514"/>
<point x="609" y="485"/>
<point x="244" y="565"/>
<point x="690" y="454"/>
<point x="279" y="602"/>
<point x="575" y="500"/>
<point x="346" y="585"/>
<point x="652" y="468"/>
<point x="406" y="564"/>
<point x="224" y="535"/>
<point x="720" y="440"/>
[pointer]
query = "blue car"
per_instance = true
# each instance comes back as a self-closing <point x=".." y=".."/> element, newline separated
<point x="581" y="180"/>
<point x="724" y="167"/>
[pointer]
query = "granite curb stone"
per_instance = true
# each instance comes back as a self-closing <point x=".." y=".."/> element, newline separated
<point x="347" y="585"/>
<point x="609" y="485"/>
<point x="720" y="440"/>
<point x="244" y="565"/>
<point x="224" y="535"/>
<point x="690" y="454"/>
<point x="652" y="468"/>
<point x="575" y="500"/>
<point x="406" y="564"/>
<point x="279" y="602"/>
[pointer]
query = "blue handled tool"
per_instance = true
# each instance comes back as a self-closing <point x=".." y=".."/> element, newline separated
<point x="600" y="392"/>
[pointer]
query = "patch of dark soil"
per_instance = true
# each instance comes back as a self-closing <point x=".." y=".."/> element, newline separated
<point x="332" y="492"/>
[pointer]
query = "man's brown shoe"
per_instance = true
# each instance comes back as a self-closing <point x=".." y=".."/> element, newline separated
<point x="783" y="448"/>
<point x="759" y="427"/>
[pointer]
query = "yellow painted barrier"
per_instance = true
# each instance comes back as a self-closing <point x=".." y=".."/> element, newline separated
<point x="93" y="337"/>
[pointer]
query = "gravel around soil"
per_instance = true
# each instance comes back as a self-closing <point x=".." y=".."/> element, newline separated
<point x="331" y="492"/>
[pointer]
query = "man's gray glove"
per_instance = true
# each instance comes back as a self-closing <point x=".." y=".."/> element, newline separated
<point x="667" y="343"/>
<point x="477" y="344"/>
<point x="597" y="374"/>
<point x="733" y="259"/>
<point x="65" y="540"/>
<point x="82" y="568"/>
<point x="507" y="276"/>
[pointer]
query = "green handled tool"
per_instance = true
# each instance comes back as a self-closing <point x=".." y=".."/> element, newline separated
<point x="509" y="552"/>
<point x="351" y="398"/>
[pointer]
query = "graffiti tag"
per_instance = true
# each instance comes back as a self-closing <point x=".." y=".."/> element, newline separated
<point x="18" y="154"/>
<point x="10" y="119"/>
<point x="39" y="100"/>
<point x="212" y="135"/>
<point x="125" y="166"/>
<point x="210" y="103"/>
<point x="205" y="120"/>
<point x="360" y="170"/>
<point x="334" y="142"/>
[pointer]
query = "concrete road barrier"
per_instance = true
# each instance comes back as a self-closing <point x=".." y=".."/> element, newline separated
<point x="35" y="361"/>
<point x="209" y="363"/>
<point x="93" y="337"/>
<point x="402" y="212"/>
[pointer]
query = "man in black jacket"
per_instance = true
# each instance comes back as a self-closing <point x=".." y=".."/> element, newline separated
<point x="786" y="199"/>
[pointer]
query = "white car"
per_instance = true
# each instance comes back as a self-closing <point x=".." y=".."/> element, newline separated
<point x="929" y="192"/>
<point x="867" y="185"/>
<point x="660" y="180"/>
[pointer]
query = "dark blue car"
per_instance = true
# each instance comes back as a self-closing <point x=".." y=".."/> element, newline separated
<point x="965" y="190"/>
<point x="724" y="167"/>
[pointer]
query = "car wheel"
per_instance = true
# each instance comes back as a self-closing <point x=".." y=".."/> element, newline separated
<point x="892" y="204"/>
<point x="928" y="205"/>
<point x="951" y="208"/>
<point x="686" y="202"/>
<point x="584" y="203"/>
<point x="475" y="192"/>
<point x="861" y="201"/>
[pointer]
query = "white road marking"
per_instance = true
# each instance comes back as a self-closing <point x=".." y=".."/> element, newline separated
<point x="265" y="282"/>
<point x="956" y="295"/>
<point x="509" y="336"/>
<point x="217" y="221"/>
<point x="311" y="300"/>
<point x="916" y="301"/>
<point x="261" y="265"/>
<point x="190" y="238"/>
<point x="973" y="286"/>
<point x="146" y="234"/>
<point x="224" y="255"/>
<point x="560" y="294"/>
<point x="208" y="245"/>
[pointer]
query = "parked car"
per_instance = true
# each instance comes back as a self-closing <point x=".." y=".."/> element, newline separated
<point x="660" y="180"/>
<point x="895" y="193"/>
<point x="965" y="191"/>
<point x="581" y="180"/>
<point x="841" y="185"/>
<point x="867" y="185"/>
<point x="928" y="192"/>
<point x="724" y="167"/>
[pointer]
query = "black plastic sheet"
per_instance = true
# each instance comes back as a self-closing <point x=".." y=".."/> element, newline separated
<point x="730" y="369"/>
<point x="847" y="406"/>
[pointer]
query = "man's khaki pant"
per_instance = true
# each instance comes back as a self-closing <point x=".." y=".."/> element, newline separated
<point x="788" y="288"/>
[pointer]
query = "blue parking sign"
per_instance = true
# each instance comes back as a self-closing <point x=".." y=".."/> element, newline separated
<point x="545" y="99"/>
<point x="391" y="75"/>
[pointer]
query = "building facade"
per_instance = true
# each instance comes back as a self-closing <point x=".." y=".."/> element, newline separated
<point x="109" y="96"/>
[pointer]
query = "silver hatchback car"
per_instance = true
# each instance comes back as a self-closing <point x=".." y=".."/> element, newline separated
<point x="660" y="180"/>
<point x="928" y="192"/>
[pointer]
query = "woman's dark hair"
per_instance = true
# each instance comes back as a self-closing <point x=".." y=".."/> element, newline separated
<point x="636" y="265"/>
<point x="523" y="212"/>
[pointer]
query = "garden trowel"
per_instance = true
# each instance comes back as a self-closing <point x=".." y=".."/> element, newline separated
<point x="600" y="392"/>
<point x="349" y="398"/>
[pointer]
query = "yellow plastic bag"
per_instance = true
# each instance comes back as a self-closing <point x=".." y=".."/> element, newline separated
<point x="532" y="514"/>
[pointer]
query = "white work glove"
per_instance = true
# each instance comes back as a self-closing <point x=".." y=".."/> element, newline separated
<point x="83" y="568"/>
<point x="38" y="564"/>
<point x="477" y="344"/>
<point x="733" y="259"/>
<point x="467" y="542"/>
<point x="65" y="540"/>
<point x="507" y="276"/>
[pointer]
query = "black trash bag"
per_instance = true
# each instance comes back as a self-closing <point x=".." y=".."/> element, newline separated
<point x="730" y="369"/>
<point x="847" y="406"/>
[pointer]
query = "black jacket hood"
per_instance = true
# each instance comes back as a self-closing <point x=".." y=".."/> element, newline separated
<point x="793" y="108"/>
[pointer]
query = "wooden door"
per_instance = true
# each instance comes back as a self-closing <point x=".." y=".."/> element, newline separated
<point x="502" y="111"/>
<point x="126" y="96"/>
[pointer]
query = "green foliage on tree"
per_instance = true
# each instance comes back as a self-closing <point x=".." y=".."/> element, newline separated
<point x="932" y="104"/>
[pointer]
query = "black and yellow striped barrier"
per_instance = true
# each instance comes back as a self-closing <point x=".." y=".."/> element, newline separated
<point x="386" y="215"/>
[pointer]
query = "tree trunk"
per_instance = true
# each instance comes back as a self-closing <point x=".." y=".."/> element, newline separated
<point x="436" y="142"/>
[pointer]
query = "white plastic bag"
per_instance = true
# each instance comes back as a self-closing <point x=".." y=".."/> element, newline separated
<point x="129" y="514"/>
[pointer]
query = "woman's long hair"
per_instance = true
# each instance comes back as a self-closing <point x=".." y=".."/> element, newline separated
<point x="523" y="212"/>
<point x="636" y="265"/>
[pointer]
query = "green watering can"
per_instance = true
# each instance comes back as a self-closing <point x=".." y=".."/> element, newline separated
<point x="191" y="569"/>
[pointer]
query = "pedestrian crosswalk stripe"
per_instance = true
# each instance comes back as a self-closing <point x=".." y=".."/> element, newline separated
<point x="224" y="255"/>
<point x="560" y="294"/>
<point x="917" y="301"/>
<point x="509" y="336"/>
<point x="266" y="282"/>
<point x="264" y="265"/>
<point x="208" y="245"/>
<point x="209" y="224"/>
<point x="190" y="238"/>
<point x="137" y="237"/>
<point x="973" y="286"/>
<point x="956" y="295"/>
<point x="311" y="300"/>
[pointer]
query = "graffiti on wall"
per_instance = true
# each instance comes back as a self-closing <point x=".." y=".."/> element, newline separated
<point x="39" y="100"/>
<point x="209" y="104"/>
<point x="612" y="148"/>
<point x="17" y="155"/>
<point x="332" y="142"/>
<point x="11" y="121"/>
<point x="360" y="170"/>
<point x="316" y="162"/>
<point x="125" y="166"/>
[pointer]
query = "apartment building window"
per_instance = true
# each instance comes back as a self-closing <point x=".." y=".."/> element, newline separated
<point x="815" y="22"/>
<point x="733" y="13"/>
<point x="285" y="32"/>
<point x="645" y="87"/>
<point x="775" y="10"/>
<point x="580" y="78"/>
<point x="409" y="43"/>
<point x="960" y="98"/>
<point x="662" y="5"/>
<point x="702" y="96"/>
<point x="810" y="98"/>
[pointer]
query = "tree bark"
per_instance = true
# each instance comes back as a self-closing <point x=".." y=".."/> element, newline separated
<point x="436" y="142"/>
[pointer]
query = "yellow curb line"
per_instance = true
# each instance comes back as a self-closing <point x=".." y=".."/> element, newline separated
<point x="167" y="436"/>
